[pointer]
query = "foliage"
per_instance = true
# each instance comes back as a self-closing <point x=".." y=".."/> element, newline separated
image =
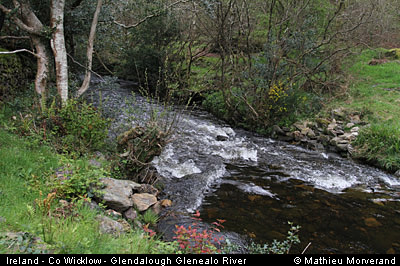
<point x="193" y="240"/>
<point x="79" y="126"/>
<point x="278" y="247"/>
<point x="373" y="92"/>
<point x="150" y="217"/>
<point x="76" y="128"/>
<point x="293" y="69"/>
<point x="144" y="59"/>
<point x="13" y="75"/>
<point x="24" y="243"/>
<point x="76" y="179"/>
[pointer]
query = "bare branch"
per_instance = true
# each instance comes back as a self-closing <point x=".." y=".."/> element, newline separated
<point x="79" y="64"/>
<point x="150" y="16"/>
<point x="19" y="51"/>
<point x="14" y="37"/>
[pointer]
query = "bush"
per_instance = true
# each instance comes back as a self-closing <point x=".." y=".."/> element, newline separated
<point x="83" y="126"/>
<point x="379" y="144"/>
<point x="278" y="247"/>
<point x="76" y="179"/>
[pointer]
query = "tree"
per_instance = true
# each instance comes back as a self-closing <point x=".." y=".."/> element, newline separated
<point x="58" y="46"/>
<point x="89" y="53"/>
<point x="22" y="14"/>
<point x="27" y="20"/>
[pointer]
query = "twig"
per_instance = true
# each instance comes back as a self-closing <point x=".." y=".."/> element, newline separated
<point x="309" y="244"/>
<point x="79" y="64"/>
<point x="150" y="16"/>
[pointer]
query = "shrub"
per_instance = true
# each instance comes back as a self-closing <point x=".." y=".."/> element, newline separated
<point x="76" y="128"/>
<point x="76" y="179"/>
<point x="278" y="247"/>
<point x="80" y="126"/>
<point x="193" y="240"/>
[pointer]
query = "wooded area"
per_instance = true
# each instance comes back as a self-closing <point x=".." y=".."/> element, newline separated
<point x="256" y="45"/>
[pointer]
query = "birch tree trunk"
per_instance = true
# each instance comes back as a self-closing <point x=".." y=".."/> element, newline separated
<point x="29" y="22"/>
<point x="42" y="59"/>
<point x="89" y="52"/>
<point x="58" y="46"/>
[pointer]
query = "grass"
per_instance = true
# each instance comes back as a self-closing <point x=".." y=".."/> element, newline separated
<point x="24" y="172"/>
<point x="374" y="91"/>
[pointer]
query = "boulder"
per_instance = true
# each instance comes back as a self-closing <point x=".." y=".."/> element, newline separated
<point x="339" y="113"/>
<point x="222" y="138"/>
<point x="342" y="147"/>
<point x="322" y="122"/>
<point x="156" y="208"/>
<point x="393" y="53"/>
<point x="324" y="139"/>
<point x="117" y="194"/>
<point x="130" y="214"/>
<point x="397" y="173"/>
<point x="143" y="201"/>
<point x="110" y="226"/>
<point x="278" y="131"/>
<point x="349" y="136"/>
<point x="146" y="188"/>
<point x="355" y="119"/>
<point x="372" y="222"/>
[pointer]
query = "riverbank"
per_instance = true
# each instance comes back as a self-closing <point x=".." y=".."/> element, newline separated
<point x="369" y="109"/>
<point x="360" y="121"/>
<point x="35" y="220"/>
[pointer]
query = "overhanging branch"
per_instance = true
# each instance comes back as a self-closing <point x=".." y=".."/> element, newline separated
<point x="19" y="51"/>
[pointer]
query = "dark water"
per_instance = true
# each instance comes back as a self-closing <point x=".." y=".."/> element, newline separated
<point x="257" y="185"/>
<point x="349" y="222"/>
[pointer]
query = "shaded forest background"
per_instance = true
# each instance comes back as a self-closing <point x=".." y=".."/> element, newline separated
<point x="251" y="63"/>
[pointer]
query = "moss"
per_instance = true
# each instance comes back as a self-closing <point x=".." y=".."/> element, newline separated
<point x="12" y="74"/>
<point x="393" y="53"/>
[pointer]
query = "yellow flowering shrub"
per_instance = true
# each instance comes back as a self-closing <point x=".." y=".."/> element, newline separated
<point x="276" y="98"/>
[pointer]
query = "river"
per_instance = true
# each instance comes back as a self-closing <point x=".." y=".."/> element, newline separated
<point x="258" y="184"/>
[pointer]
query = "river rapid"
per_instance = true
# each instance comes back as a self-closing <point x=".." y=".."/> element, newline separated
<point x="258" y="184"/>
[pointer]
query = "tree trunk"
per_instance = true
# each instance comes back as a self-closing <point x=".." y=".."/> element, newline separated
<point x="29" y="22"/>
<point x="58" y="47"/>
<point x="42" y="65"/>
<point x="89" y="52"/>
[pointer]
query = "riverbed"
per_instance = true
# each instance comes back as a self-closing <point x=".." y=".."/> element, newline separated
<point x="258" y="184"/>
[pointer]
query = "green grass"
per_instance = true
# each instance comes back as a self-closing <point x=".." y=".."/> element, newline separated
<point x="374" y="91"/>
<point x="24" y="179"/>
<point x="380" y="145"/>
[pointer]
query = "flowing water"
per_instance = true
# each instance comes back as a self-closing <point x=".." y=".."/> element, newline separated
<point x="257" y="185"/>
